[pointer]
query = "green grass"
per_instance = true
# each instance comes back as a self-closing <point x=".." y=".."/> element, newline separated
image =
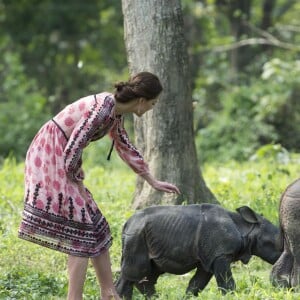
<point x="29" y="271"/>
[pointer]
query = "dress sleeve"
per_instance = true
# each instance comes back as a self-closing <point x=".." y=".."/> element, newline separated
<point x="126" y="150"/>
<point x="84" y="132"/>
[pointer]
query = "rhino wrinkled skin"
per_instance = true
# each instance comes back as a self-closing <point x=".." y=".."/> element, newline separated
<point x="286" y="270"/>
<point x="177" y="239"/>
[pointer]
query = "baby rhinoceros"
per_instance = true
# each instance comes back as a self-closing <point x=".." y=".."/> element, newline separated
<point x="177" y="239"/>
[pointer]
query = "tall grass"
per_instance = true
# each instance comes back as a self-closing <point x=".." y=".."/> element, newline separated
<point x="29" y="271"/>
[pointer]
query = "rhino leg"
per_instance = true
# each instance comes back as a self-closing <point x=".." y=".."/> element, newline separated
<point x="295" y="281"/>
<point x="124" y="288"/>
<point x="223" y="274"/>
<point x="199" y="281"/>
<point x="290" y="215"/>
<point x="147" y="285"/>
<point x="294" y="242"/>
<point x="135" y="264"/>
<point x="282" y="270"/>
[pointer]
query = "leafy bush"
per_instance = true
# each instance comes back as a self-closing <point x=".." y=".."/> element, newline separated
<point x="254" y="113"/>
<point x="18" y="284"/>
<point x="280" y="106"/>
<point x="22" y="106"/>
<point x="236" y="132"/>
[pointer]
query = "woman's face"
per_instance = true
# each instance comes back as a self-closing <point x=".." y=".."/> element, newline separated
<point x="144" y="105"/>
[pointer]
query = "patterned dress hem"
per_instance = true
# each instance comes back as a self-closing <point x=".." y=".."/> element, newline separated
<point x="73" y="252"/>
<point x="65" y="235"/>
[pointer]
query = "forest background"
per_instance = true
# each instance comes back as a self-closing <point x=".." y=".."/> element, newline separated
<point x="245" y="67"/>
<point x="244" y="58"/>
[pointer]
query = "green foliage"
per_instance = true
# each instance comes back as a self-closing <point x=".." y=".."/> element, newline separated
<point x="248" y="96"/>
<point x="70" y="48"/>
<point x="56" y="52"/>
<point x="18" y="285"/>
<point x="272" y="152"/>
<point x="236" y="131"/>
<point x="30" y="272"/>
<point x="52" y="54"/>
<point x="252" y="115"/>
<point x="280" y="105"/>
<point x="22" y="106"/>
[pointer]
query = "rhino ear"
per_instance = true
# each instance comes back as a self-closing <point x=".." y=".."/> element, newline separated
<point x="248" y="214"/>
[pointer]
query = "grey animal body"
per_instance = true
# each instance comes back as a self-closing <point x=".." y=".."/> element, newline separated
<point x="286" y="270"/>
<point x="177" y="239"/>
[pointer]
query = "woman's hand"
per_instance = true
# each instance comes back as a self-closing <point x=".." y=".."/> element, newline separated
<point x="165" y="187"/>
<point x="160" y="185"/>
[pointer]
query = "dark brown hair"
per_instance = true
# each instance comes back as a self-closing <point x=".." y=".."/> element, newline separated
<point x="142" y="85"/>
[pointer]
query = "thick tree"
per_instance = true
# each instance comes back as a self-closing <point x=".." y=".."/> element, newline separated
<point x="155" y="42"/>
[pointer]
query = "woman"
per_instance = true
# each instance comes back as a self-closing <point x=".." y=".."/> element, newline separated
<point x="59" y="212"/>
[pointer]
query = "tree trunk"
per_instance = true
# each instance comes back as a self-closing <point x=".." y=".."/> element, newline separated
<point x="238" y="11"/>
<point x="155" y="42"/>
<point x="267" y="11"/>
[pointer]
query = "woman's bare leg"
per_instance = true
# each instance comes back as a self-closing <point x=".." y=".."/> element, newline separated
<point x="77" y="267"/>
<point x="102" y="267"/>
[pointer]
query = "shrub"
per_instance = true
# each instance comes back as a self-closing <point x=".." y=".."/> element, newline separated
<point x="22" y="106"/>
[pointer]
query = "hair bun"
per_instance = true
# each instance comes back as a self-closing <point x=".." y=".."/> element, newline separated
<point x="143" y="84"/>
<point x="120" y="85"/>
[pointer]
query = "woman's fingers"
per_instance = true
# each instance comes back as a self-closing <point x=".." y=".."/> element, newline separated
<point x="167" y="187"/>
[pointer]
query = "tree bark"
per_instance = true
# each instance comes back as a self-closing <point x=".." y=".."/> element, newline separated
<point x="267" y="11"/>
<point x="155" y="42"/>
<point x="238" y="11"/>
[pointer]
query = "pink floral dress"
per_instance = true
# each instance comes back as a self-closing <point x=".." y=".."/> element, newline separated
<point x="59" y="212"/>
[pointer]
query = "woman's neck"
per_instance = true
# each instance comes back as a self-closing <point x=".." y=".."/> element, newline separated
<point x="123" y="108"/>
